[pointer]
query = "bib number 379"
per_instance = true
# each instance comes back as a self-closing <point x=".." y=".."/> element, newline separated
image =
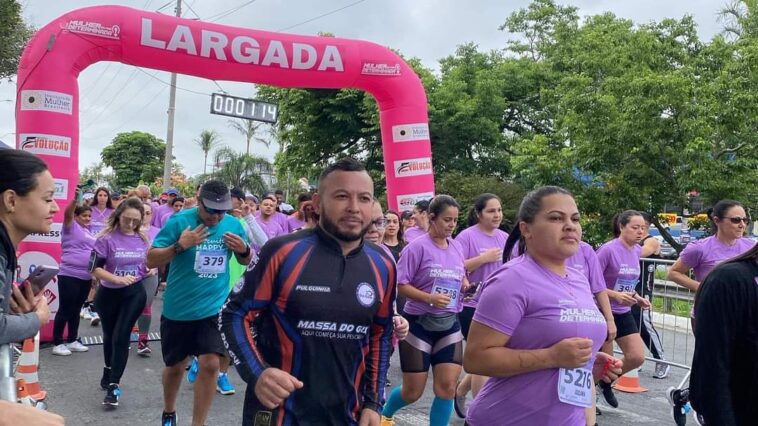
<point x="575" y="386"/>
<point x="210" y="262"/>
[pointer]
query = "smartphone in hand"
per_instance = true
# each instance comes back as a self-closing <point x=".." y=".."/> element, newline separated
<point x="39" y="278"/>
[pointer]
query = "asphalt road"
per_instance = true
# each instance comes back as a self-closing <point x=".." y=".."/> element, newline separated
<point x="73" y="391"/>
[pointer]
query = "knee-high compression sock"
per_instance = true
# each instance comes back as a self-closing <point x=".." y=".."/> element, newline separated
<point x="440" y="413"/>
<point x="394" y="403"/>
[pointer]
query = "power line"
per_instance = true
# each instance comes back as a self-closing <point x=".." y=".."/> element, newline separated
<point x="224" y="14"/>
<point x="169" y="84"/>
<point x="189" y="6"/>
<point x="165" y="5"/>
<point x="133" y="116"/>
<point x="113" y="99"/>
<point x="321" y="16"/>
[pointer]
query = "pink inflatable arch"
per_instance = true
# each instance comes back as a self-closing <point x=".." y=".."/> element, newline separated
<point x="47" y="107"/>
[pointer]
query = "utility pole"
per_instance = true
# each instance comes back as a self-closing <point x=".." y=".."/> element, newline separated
<point x="167" y="163"/>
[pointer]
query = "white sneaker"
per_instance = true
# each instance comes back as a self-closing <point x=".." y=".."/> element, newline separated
<point x="661" y="371"/>
<point x="61" y="350"/>
<point x="86" y="313"/>
<point x="76" y="346"/>
<point x="94" y="319"/>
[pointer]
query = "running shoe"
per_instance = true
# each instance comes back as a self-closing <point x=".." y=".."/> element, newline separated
<point x="143" y="349"/>
<point x="680" y="406"/>
<point x="168" y="419"/>
<point x="223" y="386"/>
<point x="86" y="313"/>
<point x="699" y="419"/>
<point x="106" y="378"/>
<point x="94" y="319"/>
<point x="608" y="394"/>
<point x="111" y="398"/>
<point x="459" y="403"/>
<point x="661" y="371"/>
<point x="386" y="421"/>
<point x="192" y="374"/>
<point x="76" y="346"/>
<point x="61" y="350"/>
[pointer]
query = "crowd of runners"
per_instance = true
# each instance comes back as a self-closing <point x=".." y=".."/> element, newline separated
<point x="309" y="302"/>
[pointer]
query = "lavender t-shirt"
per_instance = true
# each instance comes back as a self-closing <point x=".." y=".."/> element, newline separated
<point x="76" y="245"/>
<point x="412" y="233"/>
<point x="124" y="254"/>
<point x="585" y="261"/>
<point x="537" y="308"/>
<point x="703" y="255"/>
<point x="99" y="219"/>
<point x="430" y="268"/>
<point x="474" y="242"/>
<point x="293" y="223"/>
<point x="621" y="269"/>
<point x="272" y="228"/>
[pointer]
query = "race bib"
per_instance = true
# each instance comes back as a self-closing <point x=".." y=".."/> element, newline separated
<point x="575" y="386"/>
<point x="210" y="261"/>
<point x="625" y="285"/>
<point x="126" y="271"/>
<point x="448" y="287"/>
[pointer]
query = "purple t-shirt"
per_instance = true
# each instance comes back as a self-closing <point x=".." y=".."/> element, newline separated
<point x="585" y="261"/>
<point x="99" y="219"/>
<point x="474" y="242"/>
<point x="124" y="254"/>
<point x="430" y="268"/>
<point x="412" y="233"/>
<point x="272" y="228"/>
<point x="621" y="269"/>
<point x="703" y="255"/>
<point x="537" y="308"/>
<point x="152" y="232"/>
<point x="293" y="224"/>
<point x="76" y="245"/>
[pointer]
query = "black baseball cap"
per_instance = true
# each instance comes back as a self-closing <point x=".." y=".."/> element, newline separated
<point x="215" y="195"/>
<point x="237" y="193"/>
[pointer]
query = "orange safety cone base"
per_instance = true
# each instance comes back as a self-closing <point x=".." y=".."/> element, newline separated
<point x="629" y="385"/>
<point x="27" y="368"/>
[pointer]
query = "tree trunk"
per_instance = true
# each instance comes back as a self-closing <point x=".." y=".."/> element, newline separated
<point x="205" y="164"/>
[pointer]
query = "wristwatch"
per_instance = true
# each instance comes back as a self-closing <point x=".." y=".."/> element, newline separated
<point x="178" y="249"/>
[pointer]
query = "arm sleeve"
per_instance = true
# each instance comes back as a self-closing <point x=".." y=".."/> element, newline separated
<point x="407" y="264"/>
<point x="718" y="310"/>
<point x="168" y="235"/>
<point x="13" y="328"/>
<point x="691" y="255"/>
<point x="239" y="312"/>
<point x="594" y="272"/>
<point x="254" y="231"/>
<point x="380" y="342"/>
<point x="102" y="248"/>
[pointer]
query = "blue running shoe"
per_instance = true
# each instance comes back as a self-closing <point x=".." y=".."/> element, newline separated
<point x="223" y="386"/>
<point x="192" y="374"/>
<point x="111" y="398"/>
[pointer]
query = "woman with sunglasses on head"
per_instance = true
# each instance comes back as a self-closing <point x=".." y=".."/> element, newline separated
<point x="393" y="234"/>
<point x="118" y="261"/>
<point x="536" y="330"/>
<point x="431" y="275"/>
<point x="74" y="278"/>
<point x="102" y="207"/>
<point x="724" y="367"/>
<point x="620" y="264"/>
<point x="728" y="224"/>
<point x="483" y="244"/>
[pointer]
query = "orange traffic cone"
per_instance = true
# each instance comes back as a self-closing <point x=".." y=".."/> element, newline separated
<point x="27" y="368"/>
<point x="630" y="382"/>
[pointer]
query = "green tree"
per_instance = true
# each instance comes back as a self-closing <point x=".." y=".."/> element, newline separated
<point x="208" y="140"/>
<point x="248" y="129"/>
<point x="96" y="173"/>
<point x="14" y="35"/>
<point x="242" y="170"/>
<point x="134" y="156"/>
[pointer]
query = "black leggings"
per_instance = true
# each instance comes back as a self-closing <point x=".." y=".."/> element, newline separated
<point x="119" y="309"/>
<point x="72" y="292"/>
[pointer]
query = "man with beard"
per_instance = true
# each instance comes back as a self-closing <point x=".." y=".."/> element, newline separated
<point x="320" y="305"/>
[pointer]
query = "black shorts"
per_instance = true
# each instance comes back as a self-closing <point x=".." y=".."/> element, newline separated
<point x="424" y="348"/>
<point x="465" y="317"/>
<point x="625" y="324"/>
<point x="180" y="339"/>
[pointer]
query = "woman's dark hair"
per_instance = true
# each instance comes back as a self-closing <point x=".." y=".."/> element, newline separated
<point x="440" y="203"/>
<point x="19" y="171"/>
<point x="423" y="206"/>
<point x="399" y="226"/>
<point x="479" y="204"/>
<point x="113" y="220"/>
<point x="527" y="211"/>
<point x="82" y="209"/>
<point x="176" y="200"/>
<point x="719" y="210"/>
<point x="623" y="219"/>
<point x="108" y="204"/>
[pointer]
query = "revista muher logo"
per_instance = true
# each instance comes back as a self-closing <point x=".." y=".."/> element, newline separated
<point x="45" y="100"/>
<point x="410" y="132"/>
<point x="408" y="201"/>
<point x="38" y="143"/>
<point x="413" y="167"/>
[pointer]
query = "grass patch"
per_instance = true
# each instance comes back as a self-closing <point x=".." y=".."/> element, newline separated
<point x="680" y="308"/>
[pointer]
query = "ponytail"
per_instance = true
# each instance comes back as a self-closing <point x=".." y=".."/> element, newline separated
<point x="513" y="238"/>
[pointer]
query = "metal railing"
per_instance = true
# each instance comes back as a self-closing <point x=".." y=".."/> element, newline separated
<point x="7" y="379"/>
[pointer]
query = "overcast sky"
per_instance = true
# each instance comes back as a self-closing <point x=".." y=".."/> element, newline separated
<point x="117" y="98"/>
